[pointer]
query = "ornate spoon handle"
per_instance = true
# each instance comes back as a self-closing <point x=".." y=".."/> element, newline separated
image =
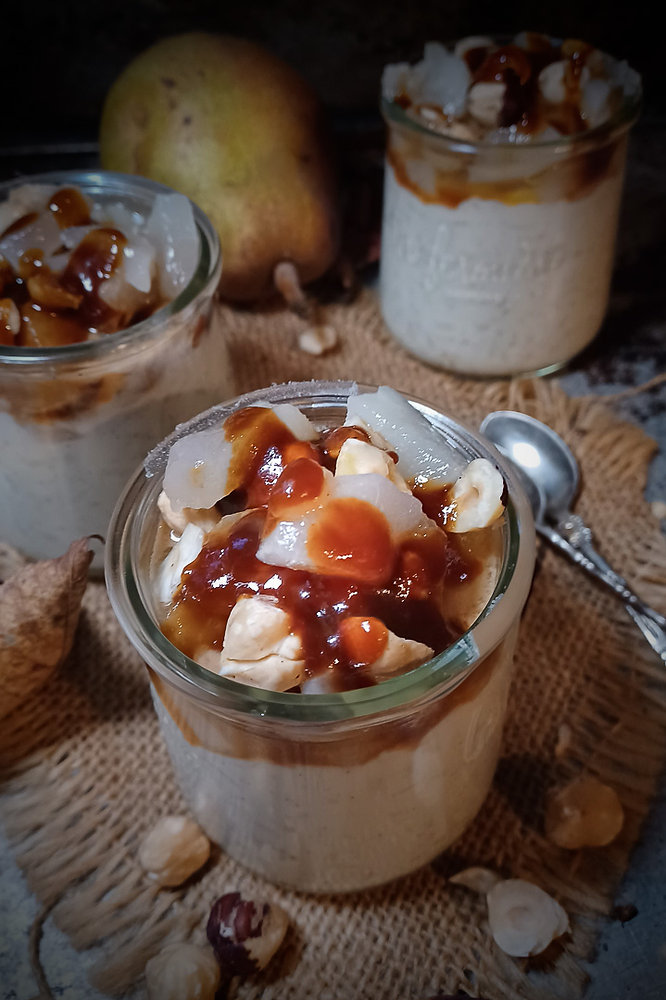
<point x="652" y="632"/>
<point x="573" y="537"/>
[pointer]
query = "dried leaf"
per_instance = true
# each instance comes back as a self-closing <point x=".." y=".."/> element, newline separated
<point x="39" y="612"/>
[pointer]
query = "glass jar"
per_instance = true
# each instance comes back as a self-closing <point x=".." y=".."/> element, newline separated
<point x="496" y="258"/>
<point x="329" y="792"/>
<point x="76" y="420"/>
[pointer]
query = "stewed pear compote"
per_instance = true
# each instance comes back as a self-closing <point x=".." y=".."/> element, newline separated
<point x="504" y="169"/>
<point x="326" y="584"/>
<point x="316" y="560"/>
<point x="108" y="336"/>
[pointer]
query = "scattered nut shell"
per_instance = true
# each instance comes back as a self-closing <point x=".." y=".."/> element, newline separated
<point x="477" y="879"/>
<point x="523" y="918"/>
<point x="183" y="972"/>
<point x="173" y="850"/>
<point x="318" y="340"/>
<point x="584" y="813"/>
<point x="245" y="933"/>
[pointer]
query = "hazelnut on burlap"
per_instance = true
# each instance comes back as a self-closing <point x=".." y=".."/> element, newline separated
<point x="245" y="933"/>
<point x="173" y="850"/>
<point x="583" y="813"/>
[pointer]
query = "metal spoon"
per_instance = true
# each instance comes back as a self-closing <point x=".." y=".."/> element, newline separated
<point x="549" y="472"/>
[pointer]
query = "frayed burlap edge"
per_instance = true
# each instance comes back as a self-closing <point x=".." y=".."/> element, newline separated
<point x="79" y="853"/>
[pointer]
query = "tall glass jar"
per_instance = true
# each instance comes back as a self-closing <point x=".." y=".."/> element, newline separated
<point x="496" y="258"/>
<point x="329" y="792"/>
<point x="76" y="420"/>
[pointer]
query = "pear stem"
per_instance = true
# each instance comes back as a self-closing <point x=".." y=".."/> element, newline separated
<point x="288" y="284"/>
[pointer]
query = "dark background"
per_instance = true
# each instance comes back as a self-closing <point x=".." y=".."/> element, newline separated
<point x="59" y="58"/>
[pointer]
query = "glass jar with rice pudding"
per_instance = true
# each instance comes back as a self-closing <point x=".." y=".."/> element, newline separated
<point x="109" y="338"/>
<point x="503" y="180"/>
<point x="334" y="781"/>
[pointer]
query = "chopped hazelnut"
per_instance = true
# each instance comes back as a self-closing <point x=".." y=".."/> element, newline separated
<point x="485" y="102"/>
<point x="46" y="290"/>
<point x="476" y="497"/>
<point x="10" y="321"/>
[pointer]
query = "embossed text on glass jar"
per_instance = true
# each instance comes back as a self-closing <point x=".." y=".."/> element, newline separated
<point x="75" y="420"/>
<point x="497" y="258"/>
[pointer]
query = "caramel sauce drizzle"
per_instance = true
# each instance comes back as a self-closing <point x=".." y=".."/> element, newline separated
<point x="524" y="109"/>
<point x="61" y="309"/>
<point x="363" y="583"/>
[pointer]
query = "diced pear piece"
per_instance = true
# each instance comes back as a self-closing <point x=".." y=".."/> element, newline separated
<point x="423" y="452"/>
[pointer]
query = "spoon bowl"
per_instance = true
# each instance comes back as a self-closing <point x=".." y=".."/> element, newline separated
<point x="549" y="472"/>
<point x="540" y="454"/>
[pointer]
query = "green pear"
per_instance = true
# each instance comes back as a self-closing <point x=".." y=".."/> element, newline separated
<point x="240" y="133"/>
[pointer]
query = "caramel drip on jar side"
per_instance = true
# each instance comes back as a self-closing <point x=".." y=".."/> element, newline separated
<point x="234" y="738"/>
<point x="358" y="569"/>
<point x="62" y="297"/>
<point x="524" y="110"/>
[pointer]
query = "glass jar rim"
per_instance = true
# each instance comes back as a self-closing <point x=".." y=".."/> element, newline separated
<point x="447" y="669"/>
<point x="620" y="121"/>
<point x="206" y="274"/>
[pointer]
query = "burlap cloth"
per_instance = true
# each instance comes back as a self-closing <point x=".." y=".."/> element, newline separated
<point x="87" y="774"/>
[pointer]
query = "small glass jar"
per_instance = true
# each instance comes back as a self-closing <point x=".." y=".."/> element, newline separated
<point x="329" y="792"/>
<point x="76" y="420"/>
<point x="496" y="258"/>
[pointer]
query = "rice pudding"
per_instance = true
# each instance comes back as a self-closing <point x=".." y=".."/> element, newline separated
<point x="334" y="585"/>
<point x="504" y="171"/>
<point x="107" y="339"/>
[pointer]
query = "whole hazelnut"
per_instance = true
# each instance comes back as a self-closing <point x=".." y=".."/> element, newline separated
<point x="182" y="972"/>
<point x="584" y="813"/>
<point x="173" y="850"/>
<point x="245" y="933"/>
